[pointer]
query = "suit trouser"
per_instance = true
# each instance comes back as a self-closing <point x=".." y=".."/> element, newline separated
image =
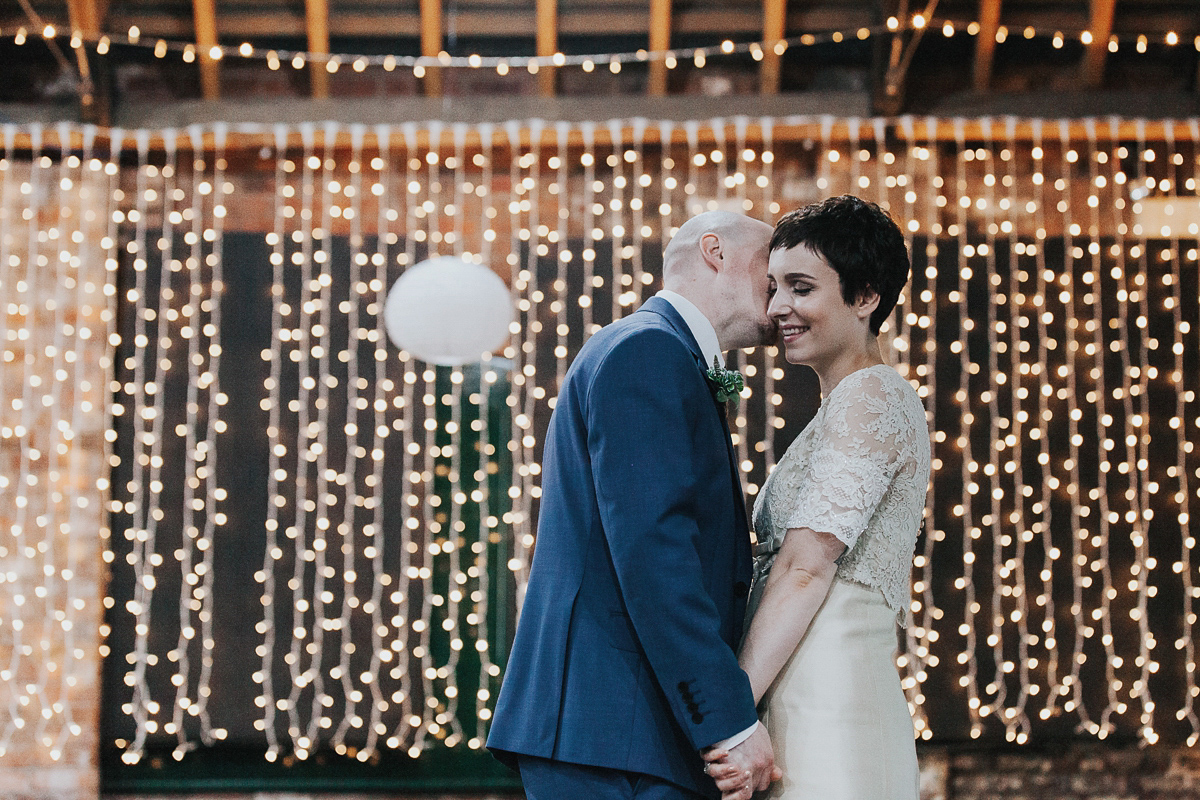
<point x="557" y="780"/>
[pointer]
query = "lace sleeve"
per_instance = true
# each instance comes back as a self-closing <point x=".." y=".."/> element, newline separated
<point x="856" y="453"/>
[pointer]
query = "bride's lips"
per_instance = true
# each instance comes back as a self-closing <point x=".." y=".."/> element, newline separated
<point x="791" y="333"/>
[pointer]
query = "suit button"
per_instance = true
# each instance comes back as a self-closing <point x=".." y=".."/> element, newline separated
<point x="683" y="687"/>
<point x="741" y="589"/>
<point x="697" y="718"/>
<point x="692" y="707"/>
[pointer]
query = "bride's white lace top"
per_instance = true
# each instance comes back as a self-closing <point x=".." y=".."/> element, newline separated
<point x="859" y="471"/>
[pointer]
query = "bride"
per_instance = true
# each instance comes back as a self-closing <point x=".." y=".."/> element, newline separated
<point x="837" y="522"/>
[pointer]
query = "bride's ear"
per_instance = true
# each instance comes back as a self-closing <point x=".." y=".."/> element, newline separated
<point x="866" y="304"/>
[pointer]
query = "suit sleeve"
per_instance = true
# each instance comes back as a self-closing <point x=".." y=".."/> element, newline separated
<point x="646" y="413"/>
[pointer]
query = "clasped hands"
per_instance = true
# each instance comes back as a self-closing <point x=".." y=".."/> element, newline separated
<point x="741" y="771"/>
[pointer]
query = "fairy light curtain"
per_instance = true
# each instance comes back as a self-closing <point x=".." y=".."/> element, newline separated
<point x="57" y="263"/>
<point x="383" y="510"/>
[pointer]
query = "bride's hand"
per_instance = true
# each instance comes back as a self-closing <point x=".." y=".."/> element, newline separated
<point x="734" y="783"/>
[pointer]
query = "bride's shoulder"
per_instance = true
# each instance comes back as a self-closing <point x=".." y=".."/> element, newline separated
<point x="878" y="381"/>
<point x="878" y="399"/>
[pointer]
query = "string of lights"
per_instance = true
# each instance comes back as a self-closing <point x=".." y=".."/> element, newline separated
<point x="431" y="230"/>
<point x="1043" y="507"/>
<point x="389" y="558"/>
<point x="1178" y="471"/>
<point x="272" y="552"/>
<point x="921" y="635"/>
<point x="8" y="280"/>
<point x="73" y="295"/>
<point x="1000" y="537"/>
<point x="771" y="372"/>
<point x="381" y="654"/>
<point x="1017" y="322"/>
<point x="144" y="548"/>
<point x="1097" y="401"/>
<point x="27" y="285"/>
<point x="964" y="510"/>
<point x="52" y="272"/>
<point x="276" y="59"/>
<point x="1070" y="464"/>
<point x="349" y="528"/>
<point x="1133" y="393"/>
<point x="737" y="182"/>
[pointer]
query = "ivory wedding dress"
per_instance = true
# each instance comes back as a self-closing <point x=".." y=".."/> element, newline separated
<point x="837" y="715"/>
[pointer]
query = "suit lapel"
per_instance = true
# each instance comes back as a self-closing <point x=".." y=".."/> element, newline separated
<point x="657" y="305"/>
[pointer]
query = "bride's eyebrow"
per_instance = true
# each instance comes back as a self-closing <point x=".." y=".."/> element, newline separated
<point x="798" y="276"/>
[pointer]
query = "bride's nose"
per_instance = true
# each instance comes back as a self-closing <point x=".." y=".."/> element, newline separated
<point x="777" y="306"/>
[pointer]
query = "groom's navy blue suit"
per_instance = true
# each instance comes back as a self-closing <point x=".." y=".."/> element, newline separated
<point x="624" y="655"/>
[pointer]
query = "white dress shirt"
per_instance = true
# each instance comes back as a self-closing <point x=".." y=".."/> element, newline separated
<point x="698" y="324"/>
<point x="706" y="336"/>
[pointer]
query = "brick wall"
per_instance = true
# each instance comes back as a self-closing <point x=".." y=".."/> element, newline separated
<point x="55" y="307"/>
<point x="1080" y="773"/>
<point x="52" y="518"/>
<point x="1083" y="773"/>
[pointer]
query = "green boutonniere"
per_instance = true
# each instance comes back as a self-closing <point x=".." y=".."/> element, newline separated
<point x="727" y="383"/>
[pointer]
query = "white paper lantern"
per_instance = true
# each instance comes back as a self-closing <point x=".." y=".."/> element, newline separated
<point x="448" y="311"/>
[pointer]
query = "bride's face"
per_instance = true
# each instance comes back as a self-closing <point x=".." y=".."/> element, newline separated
<point x="815" y="324"/>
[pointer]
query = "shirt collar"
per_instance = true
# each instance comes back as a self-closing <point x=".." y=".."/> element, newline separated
<point x="698" y="324"/>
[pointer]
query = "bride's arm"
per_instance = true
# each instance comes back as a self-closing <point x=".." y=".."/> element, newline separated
<point x="796" y="587"/>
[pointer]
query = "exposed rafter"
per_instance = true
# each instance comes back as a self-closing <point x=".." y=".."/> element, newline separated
<point x="660" y="39"/>
<point x="84" y="17"/>
<point x="431" y="43"/>
<point x="985" y="43"/>
<point x="547" y="43"/>
<point x="891" y="99"/>
<point x="1100" y="25"/>
<point x="205" y="15"/>
<point x="316" y="14"/>
<point x="774" y="30"/>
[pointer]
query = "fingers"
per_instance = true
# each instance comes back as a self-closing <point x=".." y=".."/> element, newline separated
<point x="764" y="780"/>
<point x="742" y="793"/>
<point x="714" y="754"/>
<point x="724" y="771"/>
<point x="767" y="777"/>
<point x="732" y="780"/>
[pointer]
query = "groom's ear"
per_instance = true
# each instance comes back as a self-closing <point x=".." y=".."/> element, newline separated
<point x="711" y="250"/>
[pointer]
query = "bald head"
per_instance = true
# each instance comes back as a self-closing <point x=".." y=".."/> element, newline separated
<point x="684" y="254"/>
<point x="718" y="261"/>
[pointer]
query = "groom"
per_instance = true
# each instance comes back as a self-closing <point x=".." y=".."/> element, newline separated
<point x="624" y="665"/>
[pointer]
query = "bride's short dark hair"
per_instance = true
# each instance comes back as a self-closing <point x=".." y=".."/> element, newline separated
<point x="859" y="241"/>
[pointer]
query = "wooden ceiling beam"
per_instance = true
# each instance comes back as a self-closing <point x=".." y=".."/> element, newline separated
<point x="316" y="20"/>
<point x="1100" y="26"/>
<point x="774" y="31"/>
<point x="431" y="44"/>
<point x="249" y="22"/>
<point x="547" y="44"/>
<point x="204" y="14"/>
<point x="985" y="43"/>
<point x="84" y="18"/>
<point x="924" y="130"/>
<point x="660" y="40"/>
<point x="889" y="91"/>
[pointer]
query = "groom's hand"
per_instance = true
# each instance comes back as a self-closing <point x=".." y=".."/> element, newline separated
<point x="744" y="769"/>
